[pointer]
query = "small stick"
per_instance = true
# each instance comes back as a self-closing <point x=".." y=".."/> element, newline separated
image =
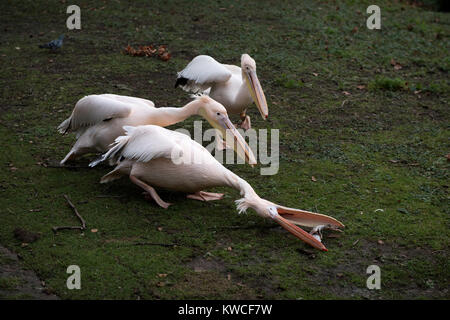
<point x="55" y="229"/>
<point x="83" y="223"/>
<point x="154" y="244"/>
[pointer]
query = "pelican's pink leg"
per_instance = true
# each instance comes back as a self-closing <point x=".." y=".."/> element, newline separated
<point x="245" y="124"/>
<point x="205" y="196"/>
<point x="151" y="192"/>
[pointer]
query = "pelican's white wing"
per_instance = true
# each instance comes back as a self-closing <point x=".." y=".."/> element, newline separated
<point x="93" y="109"/>
<point x="144" y="143"/>
<point x="201" y="73"/>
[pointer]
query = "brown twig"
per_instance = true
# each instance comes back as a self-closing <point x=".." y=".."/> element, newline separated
<point x="154" y="244"/>
<point x="83" y="223"/>
<point x="58" y="228"/>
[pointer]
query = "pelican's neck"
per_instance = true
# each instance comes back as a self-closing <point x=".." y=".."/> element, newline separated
<point x="167" y="116"/>
<point x="243" y="96"/>
<point x="244" y="188"/>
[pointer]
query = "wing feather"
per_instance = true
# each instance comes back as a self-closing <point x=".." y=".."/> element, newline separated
<point x="93" y="109"/>
<point x="201" y="73"/>
<point x="144" y="143"/>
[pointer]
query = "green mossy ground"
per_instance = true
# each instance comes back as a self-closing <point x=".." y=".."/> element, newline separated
<point x="373" y="136"/>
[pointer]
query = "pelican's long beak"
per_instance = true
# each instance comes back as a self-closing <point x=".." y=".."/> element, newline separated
<point x="257" y="93"/>
<point x="233" y="138"/>
<point x="289" y="217"/>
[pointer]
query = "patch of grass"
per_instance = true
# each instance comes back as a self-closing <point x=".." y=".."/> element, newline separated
<point x="9" y="283"/>
<point x="390" y="84"/>
<point x="289" y="83"/>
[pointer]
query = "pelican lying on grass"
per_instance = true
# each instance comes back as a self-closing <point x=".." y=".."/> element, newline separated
<point x="155" y="157"/>
<point x="236" y="88"/>
<point x="99" y="119"/>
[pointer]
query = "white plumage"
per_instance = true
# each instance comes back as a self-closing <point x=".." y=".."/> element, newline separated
<point x="99" y="119"/>
<point x="147" y="156"/>
<point x="234" y="87"/>
<point x="202" y="72"/>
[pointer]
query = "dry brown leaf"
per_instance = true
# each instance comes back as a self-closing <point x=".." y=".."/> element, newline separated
<point x="313" y="179"/>
<point x="346" y="93"/>
<point x="395" y="64"/>
<point x="165" y="56"/>
<point x="361" y="87"/>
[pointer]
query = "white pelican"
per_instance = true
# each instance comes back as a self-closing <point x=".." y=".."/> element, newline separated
<point x="236" y="88"/>
<point x="153" y="156"/>
<point x="99" y="119"/>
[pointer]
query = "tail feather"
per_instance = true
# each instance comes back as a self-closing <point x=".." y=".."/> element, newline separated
<point x="114" y="152"/>
<point x="64" y="127"/>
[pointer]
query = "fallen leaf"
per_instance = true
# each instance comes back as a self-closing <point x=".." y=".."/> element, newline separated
<point x="313" y="179"/>
<point x="94" y="230"/>
<point x="165" y="56"/>
<point x="162" y="275"/>
<point x="380" y="242"/>
<point x="361" y="87"/>
<point x="346" y="93"/>
<point x="229" y="249"/>
<point x="315" y="74"/>
<point x="160" y="229"/>
<point x="395" y="64"/>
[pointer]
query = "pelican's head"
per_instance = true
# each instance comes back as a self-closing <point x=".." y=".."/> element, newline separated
<point x="248" y="67"/>
<point x="216" y="114"/>
<point x="289" y="218"/>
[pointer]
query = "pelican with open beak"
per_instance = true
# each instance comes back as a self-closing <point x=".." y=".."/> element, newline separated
<point x="155" y="157"/>
<point x="235" y="87"/>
